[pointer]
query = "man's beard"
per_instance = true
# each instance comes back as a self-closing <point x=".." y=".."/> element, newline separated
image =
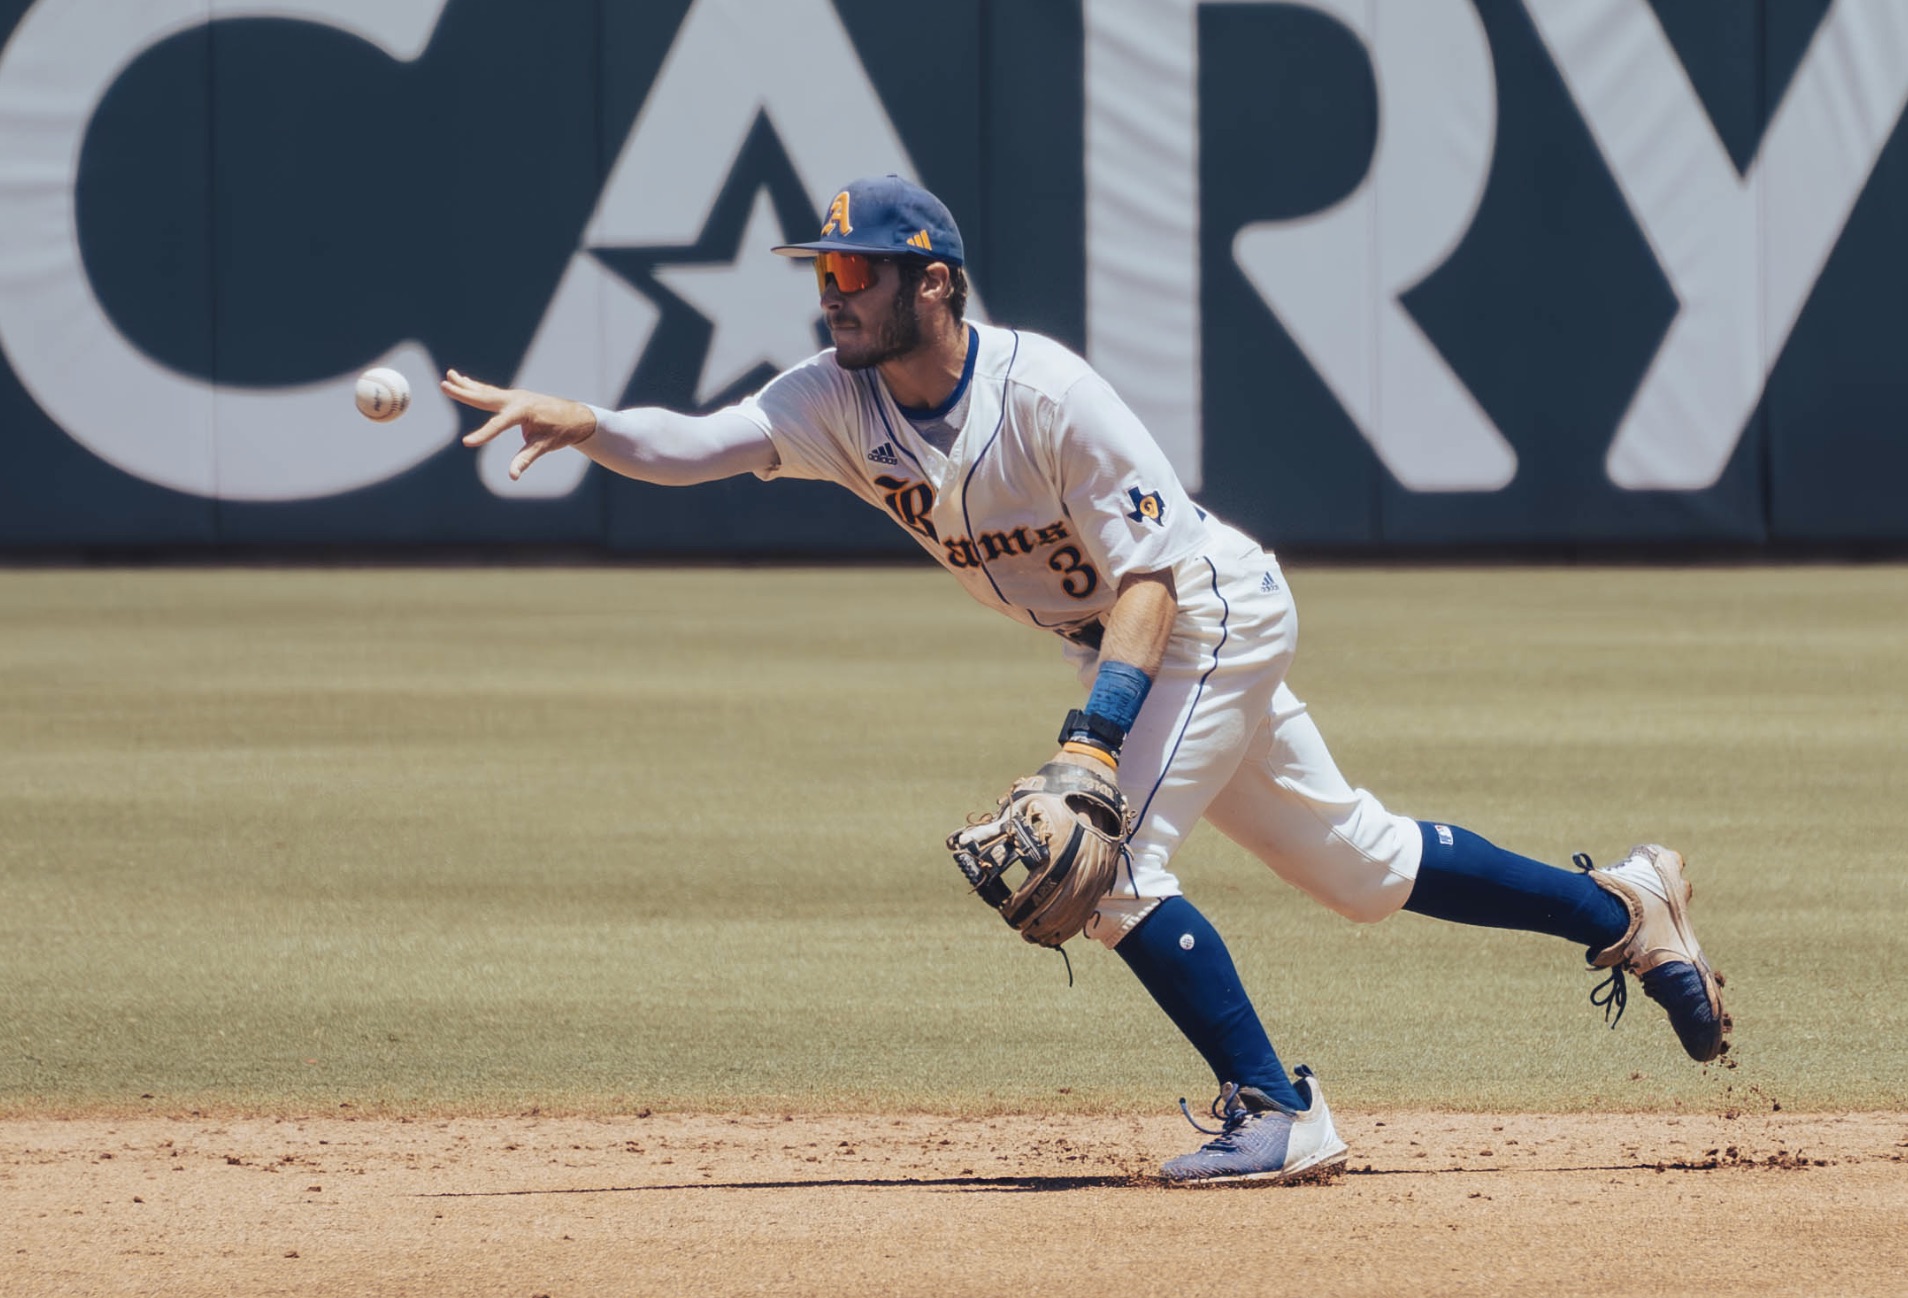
<point x="900" y="334"/>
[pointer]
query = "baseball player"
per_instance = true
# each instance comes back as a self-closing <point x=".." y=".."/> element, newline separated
<point x="1016" y="466"/>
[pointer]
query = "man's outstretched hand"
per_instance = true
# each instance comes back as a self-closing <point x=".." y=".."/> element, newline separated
<point x="548" y="423"/>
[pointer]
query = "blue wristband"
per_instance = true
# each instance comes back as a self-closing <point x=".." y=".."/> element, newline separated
<point x="1118" y="691"/>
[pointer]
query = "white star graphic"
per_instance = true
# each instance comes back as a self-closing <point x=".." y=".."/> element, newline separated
<point x="763" y="307"/>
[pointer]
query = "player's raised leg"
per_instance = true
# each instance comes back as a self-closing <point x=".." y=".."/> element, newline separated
<point x="1632" y="916"/>
<point x="1292" y="808"/>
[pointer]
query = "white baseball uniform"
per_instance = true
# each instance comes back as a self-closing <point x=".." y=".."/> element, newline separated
<point x="1050" y="493"/>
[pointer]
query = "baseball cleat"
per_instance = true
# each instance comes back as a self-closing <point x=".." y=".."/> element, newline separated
<point x="1260" y="1139"/>
<point x="1661" y="949"/>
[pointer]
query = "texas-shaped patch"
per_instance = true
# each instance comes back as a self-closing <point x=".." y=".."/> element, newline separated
<point x="1147" y="507"/>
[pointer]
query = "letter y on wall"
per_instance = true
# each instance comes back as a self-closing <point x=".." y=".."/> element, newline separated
<point x="1742" y="252"/>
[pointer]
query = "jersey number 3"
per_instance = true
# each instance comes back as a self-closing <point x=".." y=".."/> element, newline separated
<point x="1077" y="577"/>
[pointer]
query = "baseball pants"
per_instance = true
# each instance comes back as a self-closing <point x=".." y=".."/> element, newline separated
<point x="1223" y="738"/>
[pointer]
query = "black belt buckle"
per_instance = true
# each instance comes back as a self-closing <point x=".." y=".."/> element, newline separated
<point x="1088" y="634"/>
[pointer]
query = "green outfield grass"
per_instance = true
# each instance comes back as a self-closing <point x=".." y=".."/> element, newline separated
<point x="487" y="840"/>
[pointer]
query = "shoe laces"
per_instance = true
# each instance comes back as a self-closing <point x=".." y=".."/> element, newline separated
<point x="1236" y="1116"/>
<point x="1232" y="1113"/>
<point x="1611" y="995"/>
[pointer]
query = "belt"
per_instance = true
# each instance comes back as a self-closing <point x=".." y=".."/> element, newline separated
<point x="1088" y="634"/>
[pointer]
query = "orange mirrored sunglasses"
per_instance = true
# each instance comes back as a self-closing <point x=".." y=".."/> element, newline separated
<point x="853" y="271"/>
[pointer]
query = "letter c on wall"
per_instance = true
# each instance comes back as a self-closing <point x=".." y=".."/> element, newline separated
<point x="168" y="428"/>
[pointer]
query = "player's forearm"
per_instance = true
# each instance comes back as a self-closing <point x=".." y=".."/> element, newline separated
<point x="673" y="450"/>
<point x="1131" y="650"/>
<point x="1141" y="621"/>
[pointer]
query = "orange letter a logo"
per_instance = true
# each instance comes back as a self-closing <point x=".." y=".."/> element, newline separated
<point x="838" y="222"/>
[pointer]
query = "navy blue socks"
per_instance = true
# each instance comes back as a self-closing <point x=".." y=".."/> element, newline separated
<point x="1179" y="957"/>
<point x="1468" y="880"/>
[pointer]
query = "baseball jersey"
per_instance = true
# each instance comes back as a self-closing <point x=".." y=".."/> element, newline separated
<point x="1051" y="493"/>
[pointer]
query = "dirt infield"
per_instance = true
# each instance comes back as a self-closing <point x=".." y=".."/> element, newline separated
<point x="1430" y="1203"/>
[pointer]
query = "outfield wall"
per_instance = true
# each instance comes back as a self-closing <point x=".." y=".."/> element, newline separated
<point x="1377" y="272"/>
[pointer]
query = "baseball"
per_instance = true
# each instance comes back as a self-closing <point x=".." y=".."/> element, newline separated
<point x="383" y="394"/>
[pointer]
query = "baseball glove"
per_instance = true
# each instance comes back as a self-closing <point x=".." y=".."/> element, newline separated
<point x="1066" y="826"/>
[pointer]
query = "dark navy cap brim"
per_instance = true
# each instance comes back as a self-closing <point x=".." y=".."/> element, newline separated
<point x="871" y="250"/>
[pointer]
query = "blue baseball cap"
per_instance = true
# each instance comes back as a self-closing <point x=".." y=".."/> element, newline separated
<point x="886" y="216"/>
